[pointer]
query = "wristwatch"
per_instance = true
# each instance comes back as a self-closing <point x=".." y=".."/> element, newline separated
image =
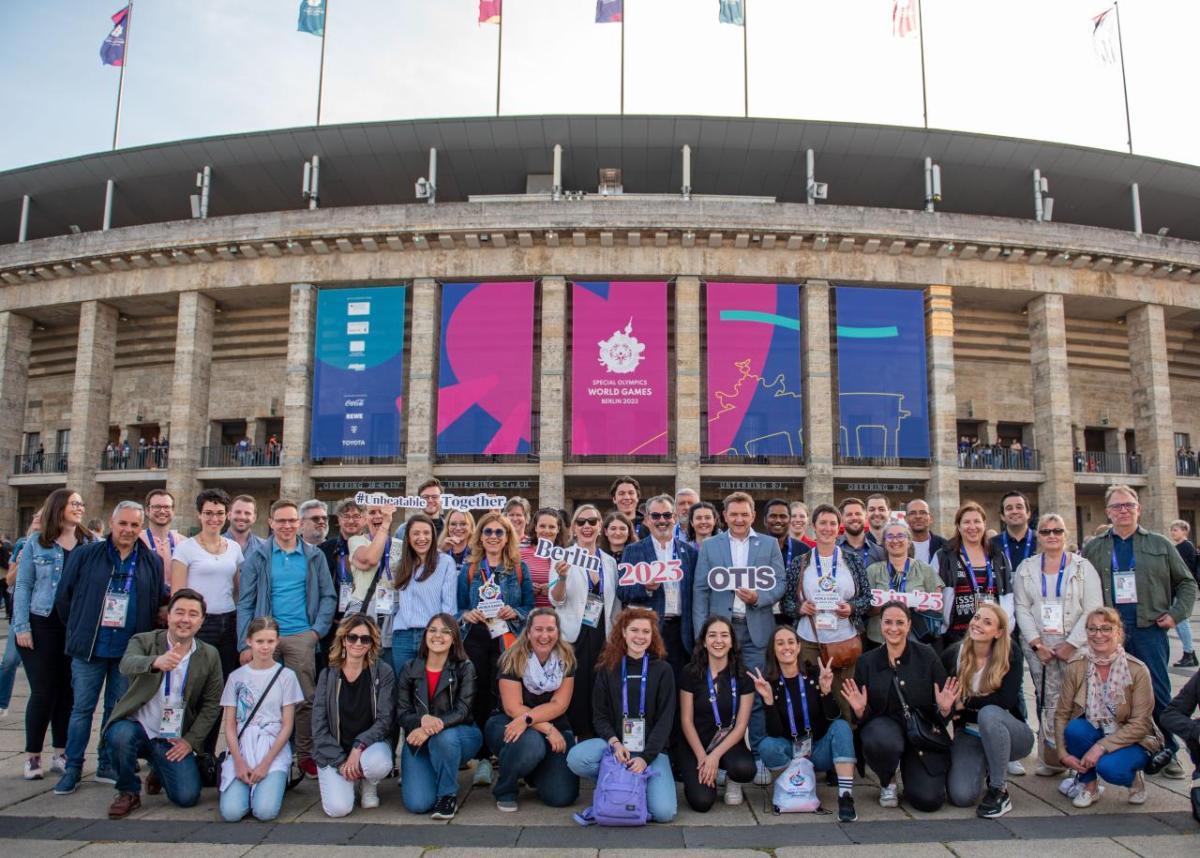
<point x="528" y="720"/>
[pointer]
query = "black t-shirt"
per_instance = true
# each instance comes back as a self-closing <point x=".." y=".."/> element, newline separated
<point x="1188" y="552"/>
<point x="696" y="683"/>
<point x="356" y="709"/>
<point x="532" y="700"/>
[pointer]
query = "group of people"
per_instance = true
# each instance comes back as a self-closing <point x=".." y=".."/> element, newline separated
<point x="148" y="453"/>
<point x="450" y="641"/>
<point x="973" y="453"/>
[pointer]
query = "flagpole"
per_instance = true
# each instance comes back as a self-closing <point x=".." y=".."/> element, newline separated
<point x="624" y="12"/>
<point x="746" y="58"/>
<point x="921" y="33"/>
<point x="499" y="57"/>
<point x="321" y="73"/>
<point x="1124" y="85"/>
<point x="121" y="80"/>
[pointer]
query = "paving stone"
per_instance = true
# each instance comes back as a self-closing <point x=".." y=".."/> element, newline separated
<point x="456" y="852"/>
<point x="41" y="848"/>
<point x="762" y="837"/>
<point x="598" y="837"/>
<point x="477" y="836"/>
<point x="1082" y="847"/>
<point x="282" y="850"/>
<point x="331" y="831"/>
<point x="179" y="850"/>
<point x="898" y="850"/>
<point x="1163" y="846"/>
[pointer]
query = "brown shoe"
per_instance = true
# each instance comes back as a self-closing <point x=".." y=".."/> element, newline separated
<point x="124" y="804"/>
<point x="153" y="784"/>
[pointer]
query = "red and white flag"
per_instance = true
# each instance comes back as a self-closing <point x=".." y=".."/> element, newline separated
<point x="1104" y="36"/>
<point x="904" y="17"/>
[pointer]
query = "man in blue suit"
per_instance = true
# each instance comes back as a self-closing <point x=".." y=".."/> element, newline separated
<point x="672" y="602"/>
<point x="749" y="611"/>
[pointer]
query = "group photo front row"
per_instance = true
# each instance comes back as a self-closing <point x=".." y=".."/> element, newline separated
<point x="664" y="642"/>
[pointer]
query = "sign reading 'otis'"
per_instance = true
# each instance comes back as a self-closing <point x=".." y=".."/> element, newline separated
<point x="741" y="578"/>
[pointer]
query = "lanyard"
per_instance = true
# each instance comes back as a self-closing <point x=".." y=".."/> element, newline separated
<point x="343" y="574"/>
<point x="385" y="562"/>
<point x="803" y="706"/>
<point x="182" y="679"/>
<point x="625" y="686"/>
<point x="1116" y="567"/>
<point x="833" y="563"/>
<point x="712" y="696"/>
<point x="488" y="574"/>
<point x="903" y="577"/>
<point x="991" y="575"/>
<point x="788" y="557"/>
<point x="170" y="540"/>
<point x="1027" y="544"/>
<point x="1062" y="565"/>
<point x="599" y="581"/>
<point x="124" y="567"/>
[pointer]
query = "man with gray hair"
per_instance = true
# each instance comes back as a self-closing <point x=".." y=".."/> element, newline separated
<point x="110" y="591"/>
<point x="685" y="499"/>
<point x="314" y="521"/>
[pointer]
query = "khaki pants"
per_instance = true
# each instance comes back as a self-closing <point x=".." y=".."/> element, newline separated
<point x="299" y="653"/>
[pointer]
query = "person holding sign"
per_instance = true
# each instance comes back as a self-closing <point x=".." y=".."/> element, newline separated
<point x="587" y="602"/>
<point x="714" y="714"/>
<point x="803" y="717"/>
<point x="495" y="595"/>
<point x="173" y="700"/>
<point x="374" y="564"/>
<point x="974" y="571"/>
<point x="633" y="709"/>
<point x="548" y="524"/>
<point x="903" y="573"/>
<point x="671" y="602"/>
<point x="1055" y="590"/>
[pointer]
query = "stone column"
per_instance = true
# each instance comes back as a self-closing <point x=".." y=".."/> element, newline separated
<point x="942" y="492"/>
<point x="1054" y="438"/>
<point x="819" y="429"/>
<point x="189" y="402"/>
<point x="295" y="482"/>
<point x="1153" y="422"/>
<point x="15" y="335"/>
<point x="91" y="400"/>
<point x="551" y="399"/>
<point x="688" y="428"/>
<point x="421" y="395"/>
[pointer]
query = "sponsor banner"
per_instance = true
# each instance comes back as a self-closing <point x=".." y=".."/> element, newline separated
<point x="755" y="404"/>
<point x="358" y="377"/>
<point x="883" y="400"/>
<point x="485" y="369"/>
<point x="619" y="392"/>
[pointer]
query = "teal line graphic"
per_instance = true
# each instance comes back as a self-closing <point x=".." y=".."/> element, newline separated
<point x="882" y="333"/>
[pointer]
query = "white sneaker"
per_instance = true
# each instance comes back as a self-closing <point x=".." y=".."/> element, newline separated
<point x="1137" y="792"/>
<point x="3" y="711"/>
<point x="483" y="773"/>
<point x="58" y="763"/>
<point x="33" y="771"/>
<point x="1086" y="798"/>
<point x="1016" y="768"/>
<point x="733" y="793"/>
<point x="762" y="775"/>
<point x="370" y="795"/>
<point x="1045" y="771"/>
<point x="889" y="796"/>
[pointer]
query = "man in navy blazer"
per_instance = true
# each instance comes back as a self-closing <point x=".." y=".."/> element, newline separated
<point x="672" y="602"/>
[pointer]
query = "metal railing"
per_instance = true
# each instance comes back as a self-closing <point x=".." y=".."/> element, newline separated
<point x="1187" y="466"/>
<point x="238" y="456"/>
<point x="134" y="459"/>
<point x="883" y="461"/>
<point x="482" y="459"/>
<point x="40" y="463"/>
<point x="793" y="461"/>
<point x="394" y="456"/>
<point x="1092" y="462"/>
<point x="999" y="459"/>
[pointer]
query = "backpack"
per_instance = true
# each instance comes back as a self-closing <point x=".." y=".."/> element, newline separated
<point x="796" y="788"/>
<point x="620" y="796"/>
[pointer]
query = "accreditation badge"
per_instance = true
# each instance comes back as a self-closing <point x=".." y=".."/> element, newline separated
<point x="345" y="591"/>
<point x="116" y="609"/>
<point x="385" y="601"/>
<point x="592" y="609"/>
<point x="170" y="726"/>
<point x="1052" y="617"/>
<point x="1125" y="588"/>
<point x="633" y="732"/>
<point x="802" y="747"/>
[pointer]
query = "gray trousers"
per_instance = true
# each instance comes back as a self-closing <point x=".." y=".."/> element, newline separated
<point x="1002" y="738"/>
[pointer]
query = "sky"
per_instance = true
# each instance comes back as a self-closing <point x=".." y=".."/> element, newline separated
<point x="198" y="68"/>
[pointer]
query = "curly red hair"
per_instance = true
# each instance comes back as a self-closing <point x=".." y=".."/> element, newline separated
<point x="614" y="647"/>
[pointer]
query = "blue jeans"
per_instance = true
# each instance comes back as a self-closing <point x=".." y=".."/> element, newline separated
<point x="127" y="741"/>
<point x="530" y="758"/>
<point x="263" y="799"/>
<point x="87" y="677"/>
<point x="405" y="643"/>
<point x="753" y="656"/>
<point x="1116" y="767"/>
<point x="8" y="670"/>
<point x="431" y="771"/>
<point x="836" y="746"/>
<point x="661" y="802"/>
<point x="1184" y="629"/>
<point x="1153" y="646"/>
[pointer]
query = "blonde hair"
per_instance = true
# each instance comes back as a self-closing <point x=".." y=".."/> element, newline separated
<point x="444" y="544"/>
<point x="512" y="546"/>
<point x="1110" y="615"/>
<point x="517" y="656"/>
<point x="997" y="661"/>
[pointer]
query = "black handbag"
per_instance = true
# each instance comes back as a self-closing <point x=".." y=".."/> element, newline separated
<point x="210" y="767"/>
<point x="922" y="732"/>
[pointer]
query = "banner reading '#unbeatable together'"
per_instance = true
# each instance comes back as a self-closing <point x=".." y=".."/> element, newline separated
<point x="619" y="391"/>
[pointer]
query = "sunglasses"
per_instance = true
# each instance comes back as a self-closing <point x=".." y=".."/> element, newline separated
<point x="587" y="522"/>
<point x="1051" y="531"/>
<point x="352" y="638"/>
<point x="493" y="532"/>
<point x="662" y="516"/>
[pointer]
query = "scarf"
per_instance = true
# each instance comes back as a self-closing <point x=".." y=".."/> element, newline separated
<point x="1104" y="697"/>
<point x="543" y="678"/>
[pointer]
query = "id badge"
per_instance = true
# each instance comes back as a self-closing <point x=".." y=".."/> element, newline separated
<point x="802" y="747"/>
<point x="633" y="731"/>
<point x="116" y="608"/>
<point x="827" y="621"/>
<point x="1125" y="588"/>
<point x="717" y="739"/>
<point x="384" y="600"/>
<point x="497" y="628"/>
<point x="985" y="599"/>
<point x="345" y="591"/>
<point x="171" y="724"/>
<point x="592" y="609"/>
<point x="1052" y="617"/>
<point x="671" y="597"/>
<point x="1110" y="727"/>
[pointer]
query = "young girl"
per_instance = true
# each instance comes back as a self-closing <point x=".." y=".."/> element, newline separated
<point x="260" y="707"/>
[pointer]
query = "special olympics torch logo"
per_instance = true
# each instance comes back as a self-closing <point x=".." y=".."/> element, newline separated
<point x="621" y="353"/>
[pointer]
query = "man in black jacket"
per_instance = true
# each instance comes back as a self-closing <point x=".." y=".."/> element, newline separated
<point x="1177" y="718"/>
<point x="925" y="542"/>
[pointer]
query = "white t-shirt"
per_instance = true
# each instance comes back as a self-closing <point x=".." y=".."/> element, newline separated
<point x="845" y="587"/>
<point x="211" y="574"/>
<point x="921" y="550"/>
<point x="150" y="713"/>
<point x="242" y="691"/>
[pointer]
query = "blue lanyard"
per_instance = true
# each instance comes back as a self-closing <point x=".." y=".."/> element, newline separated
<point x="712" y="696"/>
<point x="343" y="574"/>
<point x="182" y="680"/>
<point x="599" y="581"/>
<point x="991" y="576"/>
<point x="1116" y="567"/>
<point x="788" y="557"/>
<point x="125" y="567"/>
<point x="625" y="686"/>
<point x="903" y="578"/>
<point x="833" y="563"/>
<point x="488" y="574"/>
<point x="385" y="564"/>
<point x="1027" y="543"/>
<point x="803" y="706"/>
<point x="170" y="540"/>
<point x="1062" y="565"/>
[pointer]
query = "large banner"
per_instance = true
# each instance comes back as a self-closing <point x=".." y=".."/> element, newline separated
<point x="619" y="393"/>
<point x="485" y="374"/>
<point x="755" y="405"/>
<point x="359" y="375"/>
<point x="883" y="399"/>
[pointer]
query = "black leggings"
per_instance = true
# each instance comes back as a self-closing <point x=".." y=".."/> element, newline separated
<point x="886" y="749"/>
<point x="737" y="762"/>
<point x="220" y="630"/>
<point x="49" y="671"/>
<point x="484" y="652"/>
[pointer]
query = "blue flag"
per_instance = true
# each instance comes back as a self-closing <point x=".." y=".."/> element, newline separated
<point x="733" y="12"/>
<point x="609" y="11"/>
<point x="312" y="17"/>
<point x="112" y="49"/>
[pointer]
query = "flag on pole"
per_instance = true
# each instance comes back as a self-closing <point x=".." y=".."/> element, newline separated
<point x="609" y="11"/>
<point x="489" y="11"/>
<point x="1104" y="36"/>
<point x="733" y="12"/>
<point x="112" y="49"/>
<point x="904" y="18"/>
<point x="312" y="17"/>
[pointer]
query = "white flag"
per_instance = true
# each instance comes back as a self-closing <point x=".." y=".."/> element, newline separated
<point x="1104" y="36"/>
<point x="904" y="17"/>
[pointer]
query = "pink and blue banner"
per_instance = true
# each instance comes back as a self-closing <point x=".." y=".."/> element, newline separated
<point x="755" y="401"/>
<point x="485" y="375"/>
<point x="619" y="389"/>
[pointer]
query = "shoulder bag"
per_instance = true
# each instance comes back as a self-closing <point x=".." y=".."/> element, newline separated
<point x="922" y="732"/>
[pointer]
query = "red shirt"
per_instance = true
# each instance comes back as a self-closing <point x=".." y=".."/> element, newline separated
<point x="431" y="680"/>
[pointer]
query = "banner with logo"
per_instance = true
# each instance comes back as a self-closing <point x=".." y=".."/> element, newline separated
<point x="358" y="376"/>
<point x="485" y="374"/>
<point x="883" y="399"/>
<point x="755" y="404"/>
<point x="619" y="392"/>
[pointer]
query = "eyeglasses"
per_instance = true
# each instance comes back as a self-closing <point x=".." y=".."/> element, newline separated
<point x="1115" y="507"/>
<point x="894" y="537"/>
<point x="352" y="638"/>
<point x="1051" y="531"/>
<point x="587" y="522"/>
<point x="159" y="507"/>
<point x="318" y="518"/>
<point x="1100" y="630"/>
<point x="494" y="532"/>
<point x="213" y="513"/>
<point x="76" y="504"/>
<point x="662" y="516"/>
<point x="431" y="497"/>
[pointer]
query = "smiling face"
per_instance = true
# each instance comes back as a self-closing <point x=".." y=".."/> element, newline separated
<point x="1052" y="534"/>
<point x="350" y="522"/>
<point x="684" y="501"/>
<point x="493" y="535"/>
<point x="161" y="509"/>
<point x="854" y="519"/>
<point x="586" y="525"/>
<point x="787" y="647"/>
<point x="1123" y="511"/>
<point x="357" y="642"/>
<point x="212" y="517"/>
<point x="314" y="526"/>
<point x="895" y="540"/>
<point x="704" y="522"/>
<point x="776" y="520"/>
<point x="547" y="527"/>
<point x="616" y="533"/>
<point x="457" y="527"/>
<point x="798" y="522"/>
<point x="543" y="635"/>
<point x="971" y="527"/>
<point x="438" y="637"/>
<point x="420" y="536"/>
<point x="738" y="517"/>
<point x="626" y="499"/>
<point x="918" y="518"/>
<point x="433" y="501"/>
<point x="878" y="513"/>
<point x="662" y="520"/>
<point x="72" y="514"/>
<point x="718" y="640"/>
<point x="1015" y="513"/>
<point x="637" y="637"/>
<point x="516" y="516"/>
<point x="242" y="515"/>
<point x="184" y="619"/>
<point x="895" y="624"/>
<point x="986" y="626"/>
<point x="825" y="528"/>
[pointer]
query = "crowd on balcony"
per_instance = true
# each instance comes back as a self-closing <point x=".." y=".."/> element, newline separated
<point x="147" y="453"/>
<point x="998" y="457"/>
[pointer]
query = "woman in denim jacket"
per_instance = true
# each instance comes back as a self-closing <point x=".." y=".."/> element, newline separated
<point x="41" y="635"/>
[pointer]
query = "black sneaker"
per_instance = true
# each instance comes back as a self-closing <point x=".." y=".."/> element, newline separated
<point x="995" y="804"/>
<point x="846" y="812"/>
<point x="446" y="808"/>
<point x="1188" y="660"/>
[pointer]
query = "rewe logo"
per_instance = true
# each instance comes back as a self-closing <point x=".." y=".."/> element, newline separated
<point x="621" y="353"/>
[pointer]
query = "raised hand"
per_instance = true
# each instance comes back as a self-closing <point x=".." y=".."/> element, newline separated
<point x="762" y="686"/>
<point x="947" y="695"/>
<point x="855" y="696"/>
<point x="825" y="679"/>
